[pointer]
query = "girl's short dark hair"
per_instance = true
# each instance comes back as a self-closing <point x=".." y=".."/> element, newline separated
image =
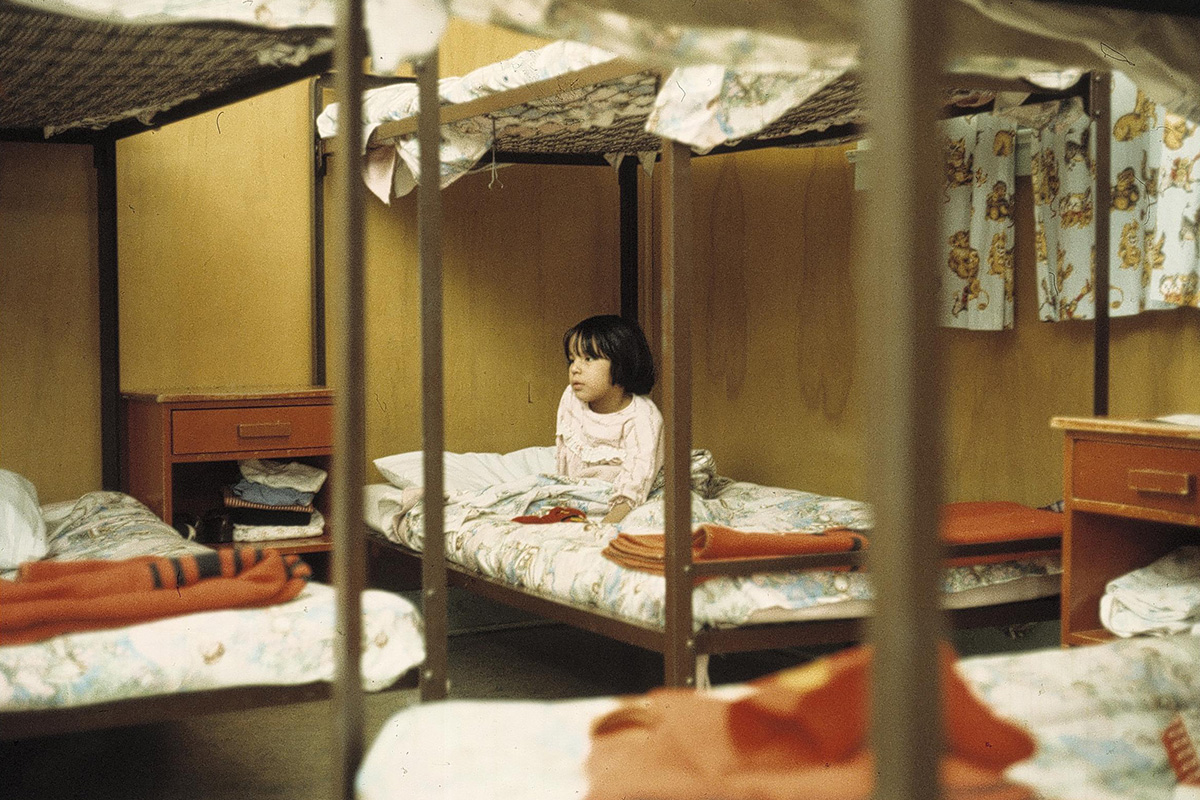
<point x="621" y="342"/>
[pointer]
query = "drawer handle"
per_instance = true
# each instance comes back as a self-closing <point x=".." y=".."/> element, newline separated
<point x="1154" y="481"/>
<point x="263" y="430"/>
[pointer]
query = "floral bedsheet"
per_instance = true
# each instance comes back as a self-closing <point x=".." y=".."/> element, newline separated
<point x="289" y="643"/>
<point x="1098" y="713"/>
<point x="564" y="561"/>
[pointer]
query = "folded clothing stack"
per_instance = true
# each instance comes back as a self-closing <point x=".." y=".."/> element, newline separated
<point x="1159" y="599"/>
<point x="274" y="500"/>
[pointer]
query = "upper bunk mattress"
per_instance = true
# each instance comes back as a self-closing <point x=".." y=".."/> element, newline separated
<point x="61" y="72"/>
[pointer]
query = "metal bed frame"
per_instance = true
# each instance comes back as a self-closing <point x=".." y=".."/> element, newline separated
<point x="675" y="639"/>
<point x="245" y="83"/>
<point x="903" y="63"/>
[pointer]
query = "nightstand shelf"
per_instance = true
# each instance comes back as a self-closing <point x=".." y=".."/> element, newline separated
<point x="1130" y="497"/>
<point x="181" y="448"/>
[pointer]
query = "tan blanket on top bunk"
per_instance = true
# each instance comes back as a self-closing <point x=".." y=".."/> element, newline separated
<point x="53" y="597"/>
<point x="963" y="523"/>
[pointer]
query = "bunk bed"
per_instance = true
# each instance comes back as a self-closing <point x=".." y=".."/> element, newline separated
<point x="157" y="668"/>
<point x="160" y="65"/>
<point x="574" y="104"/>
<point x="1097" y="716"/>
<point x="903" y="58"/>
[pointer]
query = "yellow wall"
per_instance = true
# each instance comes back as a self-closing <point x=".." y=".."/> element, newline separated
<point x="214" y="291"/>
<point x="213" y="215"/>
<point x="49" y="318"/>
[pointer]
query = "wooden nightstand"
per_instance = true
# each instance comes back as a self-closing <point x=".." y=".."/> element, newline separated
<point x="181" y="448"/>
<point x="1131" y="496"/>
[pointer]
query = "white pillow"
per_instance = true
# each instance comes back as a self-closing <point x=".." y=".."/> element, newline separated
<point x="468" y="472"/>
<point x="22" y="529"/>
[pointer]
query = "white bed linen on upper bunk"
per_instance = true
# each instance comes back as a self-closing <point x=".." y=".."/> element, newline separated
<point x="1097" y="714"/>
<point x="564" y="560"/>
<point x="1011" y="38"/>
<point x="701" y="106"/>
<point x="397" y="30"/>
<point x="285" y="644"/>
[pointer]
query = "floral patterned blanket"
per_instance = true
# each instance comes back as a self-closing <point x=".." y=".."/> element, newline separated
<point x="564" y="560"/>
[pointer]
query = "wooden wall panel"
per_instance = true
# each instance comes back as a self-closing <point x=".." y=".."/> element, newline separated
<point x="215" y="291"/>
<point x="49" y="318"/>
<point x="213" y="217"/>
<point x="774" y="324"/>
<point x="523" y="261"/>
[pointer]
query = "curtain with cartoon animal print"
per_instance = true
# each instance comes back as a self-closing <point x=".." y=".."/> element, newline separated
<point x="1153" y="239"/>
<point x="980" y="169"/>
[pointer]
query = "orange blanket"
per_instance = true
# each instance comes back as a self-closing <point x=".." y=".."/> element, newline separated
<point x="997" y="521"/>
<point x="800" y="733"/>
<point x="53" y="597"/>
<point x="961" y="524"/>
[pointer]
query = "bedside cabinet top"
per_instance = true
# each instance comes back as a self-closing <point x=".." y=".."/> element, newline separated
<point x="230" y="394"/>
<point x="1129" y="427"/>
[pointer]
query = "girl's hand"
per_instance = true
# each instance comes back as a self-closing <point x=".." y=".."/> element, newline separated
<point x="618" y="512"/>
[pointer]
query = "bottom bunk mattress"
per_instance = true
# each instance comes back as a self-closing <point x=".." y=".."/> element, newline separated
<point x="291" y="643"/>
<point x="1097" y="715"/>
<point x="564" y="561"/>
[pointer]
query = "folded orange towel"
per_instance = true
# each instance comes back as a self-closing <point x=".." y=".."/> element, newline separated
<point x="962" y="523"/>
<point x="712" y="542"/>
<point x="53" y="597"/>
<point x="801" y="732"/>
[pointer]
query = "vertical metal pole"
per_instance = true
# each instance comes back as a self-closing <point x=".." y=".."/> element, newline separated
<point x="679" y="649"/>
<point x="429" y="236"/>
<point x="627" y="182"/>
<point x="903" y="62"/>
<point x="1100" y="107"/>
<point x="316" y="236"/>
<point x="349" y="451"/>
<point x="104" y="158"/>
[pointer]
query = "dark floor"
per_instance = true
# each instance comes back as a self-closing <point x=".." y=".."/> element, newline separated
<point x="286" y="752"/>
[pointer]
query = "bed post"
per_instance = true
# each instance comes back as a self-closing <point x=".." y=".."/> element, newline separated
<point x="1100" y="109"/>
<point x="903" y="65"/>
<point x="316" y="235"/>
<point x="429" y="240"/>
<point x="627" y="181"/>
<point x="679" y="647"/>
<point x="104" y="158"/>
<point x="349" y="452"/>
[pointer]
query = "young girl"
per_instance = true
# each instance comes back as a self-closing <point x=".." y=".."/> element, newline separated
<point x="607" y="428"/>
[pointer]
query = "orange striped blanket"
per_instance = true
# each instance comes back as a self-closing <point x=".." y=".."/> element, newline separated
<point x="53" y="597"/>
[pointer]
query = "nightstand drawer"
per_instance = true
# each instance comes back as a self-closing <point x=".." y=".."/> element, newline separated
<point x="235" y="430"/>
<point x="1158" y="478"/>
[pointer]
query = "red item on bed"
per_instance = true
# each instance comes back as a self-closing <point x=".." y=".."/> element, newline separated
<point x="801" y="732"/>
<point x="53" y="597"/>
<point x="556" y="514"/>
<point x="1182" y="754"/>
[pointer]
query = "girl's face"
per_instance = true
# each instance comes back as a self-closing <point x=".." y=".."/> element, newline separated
<point x="591" y="381"/>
